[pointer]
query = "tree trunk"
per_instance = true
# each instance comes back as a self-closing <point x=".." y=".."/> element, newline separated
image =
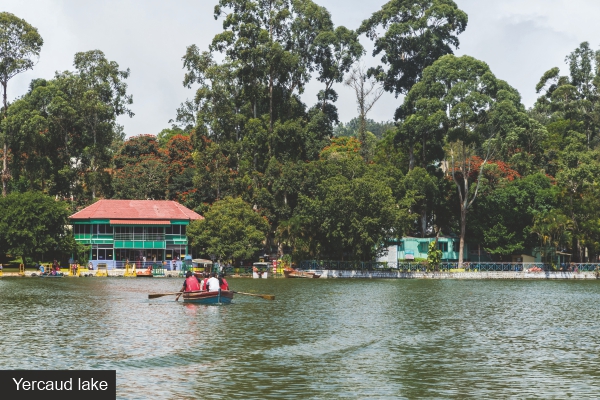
<point x="5" y="148"/>
<point x="423" y="222"/>
<point x="411" y="157"/>
<point x="463" y="225"/>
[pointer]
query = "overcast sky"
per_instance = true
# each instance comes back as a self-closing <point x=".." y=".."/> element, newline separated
<point x="520" y="40"/>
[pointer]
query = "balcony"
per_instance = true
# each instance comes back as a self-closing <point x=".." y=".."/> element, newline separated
<point x="141" y="237"/>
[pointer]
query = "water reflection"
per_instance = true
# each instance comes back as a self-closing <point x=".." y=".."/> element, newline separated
<point x="319" y="339"/>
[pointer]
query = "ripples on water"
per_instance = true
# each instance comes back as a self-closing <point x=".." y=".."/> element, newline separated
<point x="318" y="339"/>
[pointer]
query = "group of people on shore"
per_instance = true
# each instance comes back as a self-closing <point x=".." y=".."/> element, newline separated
<point x="211" y="282"/>
<point x="53" y="270"/>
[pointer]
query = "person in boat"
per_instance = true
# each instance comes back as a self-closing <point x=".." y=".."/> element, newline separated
<point x="191" y="283"/>
<point x="212" y="283"/>
<point x="223" y="283"/>
<point x="203" y="285"/>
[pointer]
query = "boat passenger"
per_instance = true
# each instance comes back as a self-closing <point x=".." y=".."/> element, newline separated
<point x="213" y="283"/>
<point x="203" y="285"/>
<point x="223" y="283"/>
<point x="191" y="283"/>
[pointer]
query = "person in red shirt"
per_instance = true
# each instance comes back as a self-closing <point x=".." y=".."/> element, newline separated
<point x="223" y="283"/>
<point x="191" y="283"/>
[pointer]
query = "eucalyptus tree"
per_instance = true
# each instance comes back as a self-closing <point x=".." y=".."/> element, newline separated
<point x="274" y="43"/>
<point x="576" y="96"/>
<point x="20" y="46"/>
<point x="103" y="98"/>
<point x="336" y="51"/>
<point x="416" y="33"/>
<point x="272" y="49"/>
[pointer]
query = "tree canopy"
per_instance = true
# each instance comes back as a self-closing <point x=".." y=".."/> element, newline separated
<point x="276" y="172"/>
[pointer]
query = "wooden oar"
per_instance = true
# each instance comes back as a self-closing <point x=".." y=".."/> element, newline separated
<point x="155" y="295"/>
<point x="264" y="296"/>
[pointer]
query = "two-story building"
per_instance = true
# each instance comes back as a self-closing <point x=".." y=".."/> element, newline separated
<point x="134" y="230"/>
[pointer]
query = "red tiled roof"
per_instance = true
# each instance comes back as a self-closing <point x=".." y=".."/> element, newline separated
<point x="139" y="222"/>
<point x="137" y="210"/>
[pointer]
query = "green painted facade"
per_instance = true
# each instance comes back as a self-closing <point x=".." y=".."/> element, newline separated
<point x="418" y="248"/>
<point x="115" y="244"/>
<point x="410" y="248"/>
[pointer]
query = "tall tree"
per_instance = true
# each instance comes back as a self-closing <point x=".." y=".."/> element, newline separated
<point x="417" y="32"/>
<point x="104" y="98"/>
<point x="367" y="92"/>
<point x="478" y="109"/>
<point x="20" y="46"/>
<point x="577" y="96"/>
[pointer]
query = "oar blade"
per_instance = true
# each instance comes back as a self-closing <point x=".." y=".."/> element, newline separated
<point x="156" y="295"/>
<point x="262" y="296"/>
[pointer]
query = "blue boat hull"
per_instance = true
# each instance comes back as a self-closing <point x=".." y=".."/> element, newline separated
<point x="52" y="276"/>
<point x="221" y="297"/>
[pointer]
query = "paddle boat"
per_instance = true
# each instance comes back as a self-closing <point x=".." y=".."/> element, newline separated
<point x="140" y="273"/>
<point x="203" y="297"/>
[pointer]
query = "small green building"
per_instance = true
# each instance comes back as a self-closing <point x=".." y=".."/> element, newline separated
<point x="141" y="231"/>
<point x="411" y="248"/>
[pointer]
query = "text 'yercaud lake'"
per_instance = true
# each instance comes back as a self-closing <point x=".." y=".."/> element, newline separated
<point x="317" y="339"/>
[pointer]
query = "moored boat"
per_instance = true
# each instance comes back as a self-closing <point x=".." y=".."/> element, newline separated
<point x="293" y="273"/>
<point x="203" y="297"/>
<point x="144" y="273"/>
<point x="59" y="275"/>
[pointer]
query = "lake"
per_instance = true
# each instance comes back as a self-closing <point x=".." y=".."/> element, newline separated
<point x="320" y="338"/>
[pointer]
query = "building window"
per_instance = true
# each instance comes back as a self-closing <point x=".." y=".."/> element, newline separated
<point x="401" y="246"/>
<point x="81" y="229"/>
<point x="102" y="252"/>
<point x="443" y="246"/>
<point x="103" y="229"/>
<point x="174" y="230"/>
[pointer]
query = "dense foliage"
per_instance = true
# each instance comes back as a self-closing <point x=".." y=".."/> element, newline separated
<point x="463" y="157"/>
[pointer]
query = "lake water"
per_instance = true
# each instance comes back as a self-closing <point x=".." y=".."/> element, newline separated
<point x="319" y="339"/>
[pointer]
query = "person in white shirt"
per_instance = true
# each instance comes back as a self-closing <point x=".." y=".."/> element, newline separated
<point x="213" y="283"/>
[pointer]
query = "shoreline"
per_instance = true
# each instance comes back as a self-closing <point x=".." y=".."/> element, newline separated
<point x="356" y="274"/>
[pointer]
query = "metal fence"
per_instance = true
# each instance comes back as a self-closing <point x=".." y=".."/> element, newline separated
<point x="445" y="266"/>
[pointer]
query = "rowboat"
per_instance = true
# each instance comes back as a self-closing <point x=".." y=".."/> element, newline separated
<point x="300" y="274"/>
<point x="220" y="297"/>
